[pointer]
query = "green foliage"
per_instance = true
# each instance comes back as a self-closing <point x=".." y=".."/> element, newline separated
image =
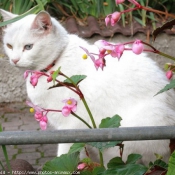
<point x="81" y="9"/>
<point x="76" y="147"/>
<point x="104" y="145"/>
<point x="108" y="122"/>
<point x="55" y="74"/>
<point x="160" y="163"/>
<point x="19" y="7"/>
<point x="118" y="167"/>
<point x="113" y="122"/>
<point x="66" y="162"/>
<point x="171" y="164"/>
<point x="75" y="79"/>
<point x="133" y="158"/>
<point x="128" y="169"/>
<point x="169" y="86"/>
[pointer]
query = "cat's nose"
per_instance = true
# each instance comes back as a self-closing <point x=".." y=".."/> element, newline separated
<point x="15" y="61"/>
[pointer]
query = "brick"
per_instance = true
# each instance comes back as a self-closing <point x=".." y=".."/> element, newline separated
<point x="29" y="156"/>
<point x="32" y="126"/>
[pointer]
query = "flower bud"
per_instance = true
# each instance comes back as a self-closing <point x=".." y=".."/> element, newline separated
<point x="43" y="125"/>
<point x="38" y="116"/>
<point x="169" y="74"/>
<point x="107" y="20"/>
<point x="49" y="79"/>
<point x="137" y="47"/>
<point x="81" y="166"/>
<point x="119" y="1"/>
<point x="66" y="111"/>
<point x="116" y="16"/>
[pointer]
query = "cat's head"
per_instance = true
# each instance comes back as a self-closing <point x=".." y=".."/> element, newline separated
<point x="34" y="41"/>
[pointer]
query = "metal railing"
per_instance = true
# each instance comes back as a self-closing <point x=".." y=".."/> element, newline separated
<point x="87" y="135"/>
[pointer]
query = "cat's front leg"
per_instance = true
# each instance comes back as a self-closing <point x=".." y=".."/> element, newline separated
<point x="63" y="148"/>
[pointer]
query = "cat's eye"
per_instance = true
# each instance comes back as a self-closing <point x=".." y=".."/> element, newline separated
<point x="9" y="46"/>
<point x="28" y="47"/>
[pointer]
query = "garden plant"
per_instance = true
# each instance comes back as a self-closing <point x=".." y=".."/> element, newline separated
<point x="71" y="162"/>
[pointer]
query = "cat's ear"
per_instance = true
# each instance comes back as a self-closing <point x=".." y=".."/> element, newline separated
<point x="42" y="22"/>
<point x="7" y="15"/>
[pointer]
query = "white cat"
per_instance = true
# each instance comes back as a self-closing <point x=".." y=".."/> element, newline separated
<point x="126" y="87"/>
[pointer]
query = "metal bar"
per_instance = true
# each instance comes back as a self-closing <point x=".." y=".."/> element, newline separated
<point x="87" y="135"/>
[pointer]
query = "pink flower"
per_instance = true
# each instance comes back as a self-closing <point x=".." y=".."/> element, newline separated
<point x="107" y="20"/>
<point x="39" y="115"/>
<point x="137" y="47"/>
<point x="102" y="44"/>
<point x="169" y="74"/>
<point x="66" y="111"/>
<point x="81" y="166"/>
<point x="118" y="51"/>
<point x="49" y="78"/>
<point x="119" y="1"/>
<point x="113" y="18"/>
<point x="88" y="53"/>
<point x="36" y="107"/>
<point x="70" y="106"/>
<point x="34" y="78"/>
<point x="100" y="62"/>
<point x="43" y="123"/>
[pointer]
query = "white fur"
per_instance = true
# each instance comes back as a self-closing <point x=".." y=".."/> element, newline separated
<point x="126" y="87"/>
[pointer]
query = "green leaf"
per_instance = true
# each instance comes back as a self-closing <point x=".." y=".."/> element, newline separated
<point x="115" y="162"/>
<point x="35" y="9"/>
<point x="166" y="66"/>
<point x="133" y="158"/>
<point x="171" y="164"/>
<point x="113" y="122"/>
<point x="139" y="21"/>
<point x="55" y="74"/>
<point x="104" y="145"/>
<point x="128" y="169"/>
<point x="169" y="86"/>
<point x="76" y="79"/>
<point x="107" y="123"/>
<point x="76" y="147"/>
<point x="87" y="160"/>
<point x="161" y="164"/>
<point x="86" y="172"/>
<point x="98" y="170"/>
<point x="66" y="162"/>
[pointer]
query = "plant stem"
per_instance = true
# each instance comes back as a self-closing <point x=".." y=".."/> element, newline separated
<point x="5" y="154"/>
<point x="2" y="166"/>
<point x="166" y="55"/>
<point x="158" y="52"/>
<point x="82" y="98"/>
<point x="158" y="11"/>
<point x="101" y="158"/>
<point x="75" y="115"/>
<point x="89" y="112"/>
